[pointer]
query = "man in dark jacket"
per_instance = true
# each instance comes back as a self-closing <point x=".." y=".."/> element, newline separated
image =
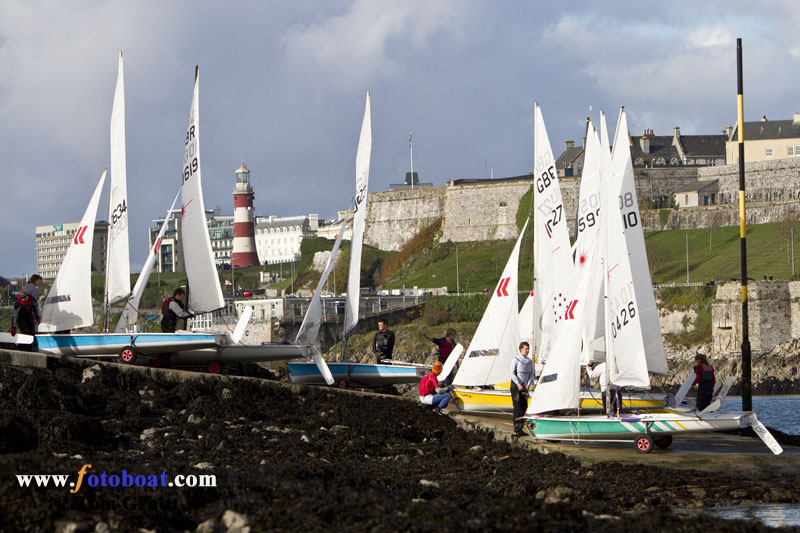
<point x="26" y="317"/>
<point x="705" y="381"/>
<point x="172" y="310"/>
<point x="383" y="342"/>
<point x="446" y="345"/>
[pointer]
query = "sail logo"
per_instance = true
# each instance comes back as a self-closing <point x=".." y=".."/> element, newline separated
<point x="502" y="288"/>
<point x="58" y="298"/>
<point x="78" y="239"/>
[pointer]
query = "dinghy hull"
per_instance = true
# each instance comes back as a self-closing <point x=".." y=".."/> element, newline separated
<point x="358" y="374"/>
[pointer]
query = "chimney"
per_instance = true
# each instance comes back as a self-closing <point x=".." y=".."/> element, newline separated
<point x="644" y="142"/>
<point x="728" y="131"/>
<point x="796" y="118"/>
<point x="571" y="144"/>
<point x="677" y="132"/>
<point x="763" y="118"/>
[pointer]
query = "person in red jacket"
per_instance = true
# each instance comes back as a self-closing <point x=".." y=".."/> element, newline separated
<point x="705" y="381"/>
<point x="430" y="393"/>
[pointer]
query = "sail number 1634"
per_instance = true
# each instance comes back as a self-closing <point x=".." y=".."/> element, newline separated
<point x="622" y="318"/>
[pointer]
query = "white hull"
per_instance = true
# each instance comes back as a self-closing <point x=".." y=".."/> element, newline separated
<point x="358" y="374"/>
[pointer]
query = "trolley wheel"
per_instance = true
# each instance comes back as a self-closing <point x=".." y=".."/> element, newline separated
<point x="644" y="443"/>
<point x="214" y="367"/>
<point x="342" y="384"/>
<point x="127" y="355"/>
<point x="663" y="442"/>
<point x="161" y="360"/>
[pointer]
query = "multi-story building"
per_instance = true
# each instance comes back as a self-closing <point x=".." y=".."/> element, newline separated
<point x="170" y="258"/>
<point x="53" y="241"/>
<point x="330" y="229"/>
<point x="651" y="150"/>
<point x="765" y="140"/>
<point x="278" y="238"/>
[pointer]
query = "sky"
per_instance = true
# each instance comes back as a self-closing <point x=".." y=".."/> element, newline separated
<point x="283" y="85"/>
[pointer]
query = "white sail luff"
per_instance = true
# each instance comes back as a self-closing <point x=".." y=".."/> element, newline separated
<point x="118" y="274"/>
<point x="69" y="302"/>
<point x="496" y="340"/>
<point x="309" y="329"/>
<point x="131" y="311"/>
<point x="359" y="219"/>
<point x="205" y="293"/>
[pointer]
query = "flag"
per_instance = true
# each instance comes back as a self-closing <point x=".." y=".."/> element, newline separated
<point x="227" y="282"/>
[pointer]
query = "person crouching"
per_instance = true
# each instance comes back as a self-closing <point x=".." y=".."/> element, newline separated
<point x="430" y="393"/>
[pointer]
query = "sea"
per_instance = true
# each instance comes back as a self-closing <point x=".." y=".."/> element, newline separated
<point x="777" y="412"/>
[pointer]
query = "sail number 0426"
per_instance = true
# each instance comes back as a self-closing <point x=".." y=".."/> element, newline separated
<point x="622" y="318"/>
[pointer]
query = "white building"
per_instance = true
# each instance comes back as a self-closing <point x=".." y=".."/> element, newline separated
<point x="278" y="238"/>
<point x="330" y="229"/>
<point x="53" y="241"/>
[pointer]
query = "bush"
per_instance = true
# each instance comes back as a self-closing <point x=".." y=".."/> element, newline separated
<point x="423" y="239"/>
<point x="441" y="309"/>
<point x="663" y="217"/>
<point x="524" y="209"/>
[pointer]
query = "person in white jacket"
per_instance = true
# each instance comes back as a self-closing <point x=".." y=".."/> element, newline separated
<point x="521" y="381"/>
<point x="598" y="372"/>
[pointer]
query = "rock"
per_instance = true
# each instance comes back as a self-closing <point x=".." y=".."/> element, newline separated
<point x="476" y="450"/>
<point x="227" y="394"/>
<point x="427" y="483"/>
<point x="204" y="466"/>
<point x="209" y="526"/>
<point x="233" y="520"/>
<point x="337" y="429"/>
<point x="558" y="494"/>
<point x="102" y="527"/>
<point x="89" y="373"/>
<point x="148" y="433"/>
<point x="305" y="439"/>
<point x="16" y="434"/>
<point x="194" y="419"/>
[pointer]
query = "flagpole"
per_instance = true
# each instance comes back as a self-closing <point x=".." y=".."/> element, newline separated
<point x="411" y="155"/>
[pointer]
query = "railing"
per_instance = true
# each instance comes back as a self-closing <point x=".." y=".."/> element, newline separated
<point x="294" y="309"/>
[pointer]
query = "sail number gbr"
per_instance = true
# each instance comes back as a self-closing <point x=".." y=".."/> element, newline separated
<point x="623" y="318"/>
<point x="544" y="181"/>
<point x="190" y="163"/>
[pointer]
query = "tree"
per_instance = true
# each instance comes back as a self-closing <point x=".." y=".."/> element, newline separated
<point x="715" y="221"/>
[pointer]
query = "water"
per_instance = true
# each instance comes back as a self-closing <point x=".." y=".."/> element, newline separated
<point x="778" y="412"/>
<point x="769" y="514"/>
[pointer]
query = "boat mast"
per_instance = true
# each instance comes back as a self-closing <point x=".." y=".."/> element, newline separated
<point x="106" y="304"/>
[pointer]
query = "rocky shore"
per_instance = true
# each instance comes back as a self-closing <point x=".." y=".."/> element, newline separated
<point x="298" y="458"/>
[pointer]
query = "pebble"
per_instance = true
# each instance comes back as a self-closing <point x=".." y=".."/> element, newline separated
<point x="428" y="483"/>
<point x="204" y="466"/>
<point x="209" y="526"/>
<point x="227" y="394"/>
<point x="337" y="429"/>
<point x="148" y="433"/>
<point x="194" y="419"/>
<point x="476" y="450"/>
<point x="91" y="372"/>
<point x="558" y="494"/>
<point x="234" y="521"/>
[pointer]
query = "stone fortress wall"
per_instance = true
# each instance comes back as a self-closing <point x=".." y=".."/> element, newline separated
<point x="477" y="210"/>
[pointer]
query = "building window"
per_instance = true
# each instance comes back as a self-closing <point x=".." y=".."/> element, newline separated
<point x="767" y="152"/>
<point x="797" y="149"/>
<point x="790" y="150"/>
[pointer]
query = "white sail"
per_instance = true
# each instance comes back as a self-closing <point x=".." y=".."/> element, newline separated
<point x="69" y="303"/>
<point x="586" y="250"/>
<point x="118" y="272"/>
<point x="526" y="324"/>
<point x="309" y="329"/>
<point x="205" y="294"/>
<point x="359" y="220"/>
<point x="496" y="341"/>
<point x="634" y="236"/>
<point x="625" y="355"/>
<point x="131" y="312"/>
<point x="555" y="270"/>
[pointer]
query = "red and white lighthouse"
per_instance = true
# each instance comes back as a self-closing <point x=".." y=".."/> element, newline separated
<point x="244" y="233"/>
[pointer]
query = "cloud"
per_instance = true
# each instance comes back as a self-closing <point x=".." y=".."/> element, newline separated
<point x="350" y="49"/>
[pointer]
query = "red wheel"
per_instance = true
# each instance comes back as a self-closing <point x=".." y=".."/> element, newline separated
<point x="127" y="355"/>
<point x="342" y="384"/>
<point x="664" y="441"/>
<point x="214" y="367"/>
<point x="644" y="443"/>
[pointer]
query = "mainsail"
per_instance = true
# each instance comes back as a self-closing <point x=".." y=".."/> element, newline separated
<point x="118" y="272"/>
<point x="496" y="341"/>
<point x="555" y="271"/>
<point x="359" y="220"/>
<point x="205" y="294"/>
<point x="634" y="236"/>
<point x="131" y="311"/>
<point x="69" y="302"/>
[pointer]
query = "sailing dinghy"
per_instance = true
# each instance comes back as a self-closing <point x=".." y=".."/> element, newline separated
<point x="554" y="411"/>
<point x="350" y="373"/>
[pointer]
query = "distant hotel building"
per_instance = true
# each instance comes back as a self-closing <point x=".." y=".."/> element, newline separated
<point x="278" y="238"/>
<point x="170" y="253"/>
<point x="52" y="243"/>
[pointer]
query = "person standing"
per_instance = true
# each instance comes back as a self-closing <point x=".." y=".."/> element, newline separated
<point x="446" y="346"/>
<point x="705" y="381"/>
<point x="521" y="381"/>
<point x="26" y="317"/>
<point x="598" y="372"/>
<point x="383" y="342"/>
<point x="431" y="393"/>
<point x="172" y="310"/>
<point x="32" y="287"/>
